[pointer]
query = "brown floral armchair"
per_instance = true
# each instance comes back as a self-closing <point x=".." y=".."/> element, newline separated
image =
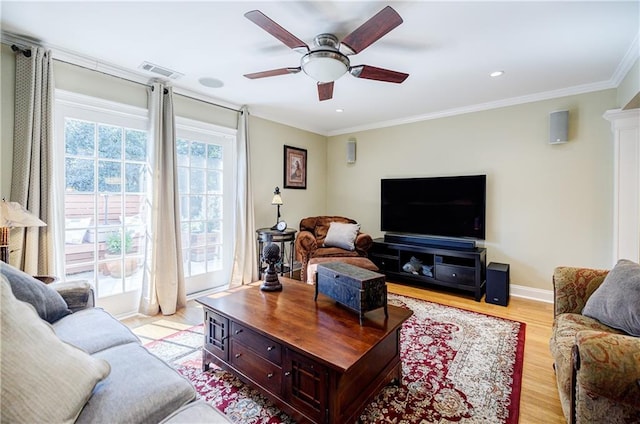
<point x="310" y="241"/>
<point x="597" y="367"/>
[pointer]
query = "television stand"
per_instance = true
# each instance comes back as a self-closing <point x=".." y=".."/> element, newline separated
<point x="461" y="269"/>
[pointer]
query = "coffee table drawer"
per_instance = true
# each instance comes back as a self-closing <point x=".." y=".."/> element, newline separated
<point x="262" y="345"/>
<point x="251" y="364"/>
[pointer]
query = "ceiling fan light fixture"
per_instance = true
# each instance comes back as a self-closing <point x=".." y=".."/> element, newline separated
<point x="325" y="65"/>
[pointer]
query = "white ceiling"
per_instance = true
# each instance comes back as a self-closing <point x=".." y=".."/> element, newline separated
<point x="546" y="49"/>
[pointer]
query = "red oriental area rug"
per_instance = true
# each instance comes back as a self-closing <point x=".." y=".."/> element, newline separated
<point x="458" y="367"/>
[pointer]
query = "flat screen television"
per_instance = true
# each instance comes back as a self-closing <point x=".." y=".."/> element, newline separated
<point x="437" y="206"/>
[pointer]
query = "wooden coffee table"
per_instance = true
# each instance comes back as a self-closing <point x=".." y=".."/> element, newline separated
<point x="313" y="359"/>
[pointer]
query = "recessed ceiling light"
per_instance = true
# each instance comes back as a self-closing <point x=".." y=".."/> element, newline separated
<point x="211" y="82"/>
<point x="496" y="74"/>
<point x="339" y="110"/>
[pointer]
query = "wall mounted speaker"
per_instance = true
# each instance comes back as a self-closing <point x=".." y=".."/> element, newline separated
<point x="559" y="127"/>
<point x="351" y="151"/>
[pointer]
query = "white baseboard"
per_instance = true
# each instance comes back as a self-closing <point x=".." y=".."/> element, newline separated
<point x="531" y="293"/>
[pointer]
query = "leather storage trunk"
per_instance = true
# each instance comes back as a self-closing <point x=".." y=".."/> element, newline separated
<point x="356" y="288"/>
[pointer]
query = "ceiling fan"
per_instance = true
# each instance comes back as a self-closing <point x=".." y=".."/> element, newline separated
<point x="328" y="60"/>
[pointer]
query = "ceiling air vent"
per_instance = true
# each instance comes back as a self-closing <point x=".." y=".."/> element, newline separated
<point x="165" y="72"/>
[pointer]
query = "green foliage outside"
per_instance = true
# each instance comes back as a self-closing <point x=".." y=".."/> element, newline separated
<point x="114" y="242"/>
<point x="96" y="150"/>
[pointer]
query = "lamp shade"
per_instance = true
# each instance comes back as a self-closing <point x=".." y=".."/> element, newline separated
<point x="277" y="199"/>
<point x="12" y="214"/>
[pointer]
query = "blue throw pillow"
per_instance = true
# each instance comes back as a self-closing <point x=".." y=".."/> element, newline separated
<point x="47" y="302"/>
<point x="616" y="302"/>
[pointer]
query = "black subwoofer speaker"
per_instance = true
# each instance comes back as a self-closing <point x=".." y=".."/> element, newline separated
<point x="497" y="284"/>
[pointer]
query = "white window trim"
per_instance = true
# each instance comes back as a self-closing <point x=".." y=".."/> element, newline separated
<point x="88" y="103"/>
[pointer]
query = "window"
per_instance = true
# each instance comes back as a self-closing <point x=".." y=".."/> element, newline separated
<point x="105" y="181"/>
<point x="206" y="170"/>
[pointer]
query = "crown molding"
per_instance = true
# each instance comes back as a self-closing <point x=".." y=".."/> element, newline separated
<point x="63" y="55"/>
<point x="628" y="60"/>
<point x="513" y="101"/>
<point x="73" y="58"/>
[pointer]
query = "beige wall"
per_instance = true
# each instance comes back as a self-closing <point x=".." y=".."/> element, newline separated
<point x="547" y="205"/>
<point x="95" y="84"/>
<point x="630" y="85"/>
<point x="267" y="139"/>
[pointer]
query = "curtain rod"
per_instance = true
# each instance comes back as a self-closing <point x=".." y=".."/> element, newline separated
<point x="25" y="52"/>
<point x="165" y="91"/>
<point x="141" y="83"/>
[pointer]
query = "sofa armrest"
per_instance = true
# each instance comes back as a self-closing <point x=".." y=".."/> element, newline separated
<point x="78" y="294"/>
<point x="305" y="245"/>
<point x="608" y="365"/>
<point x="573" y="286"/>
<point x="363" y="243"/>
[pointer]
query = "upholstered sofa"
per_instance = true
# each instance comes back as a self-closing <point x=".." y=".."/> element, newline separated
<point x="314" y="240"/>
<point x="597" y="362"/>
<point x="65" y="361"/>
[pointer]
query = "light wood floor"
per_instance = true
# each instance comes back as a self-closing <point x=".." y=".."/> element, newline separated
<point x="539" y="402"/>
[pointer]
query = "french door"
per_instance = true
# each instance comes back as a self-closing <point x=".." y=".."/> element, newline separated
<point x="103" y="182"/>
<point x="206" y="178"/>
<point x="103" y="178"/>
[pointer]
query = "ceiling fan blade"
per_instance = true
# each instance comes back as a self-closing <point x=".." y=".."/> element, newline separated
<point x="372" y="30"/>
<point x="267" y="24"/>
<point x="325" y="90"/>
<point x="273" y="73"/>
<point x="378" y="74"/>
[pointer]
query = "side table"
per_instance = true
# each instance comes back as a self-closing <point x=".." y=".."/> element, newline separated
<point x="267" y="235"/>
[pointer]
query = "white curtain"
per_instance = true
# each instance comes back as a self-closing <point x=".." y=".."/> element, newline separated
<point x="163" y="287"/>
<point x="32" y="174"/>
<point x="245" y="258"/>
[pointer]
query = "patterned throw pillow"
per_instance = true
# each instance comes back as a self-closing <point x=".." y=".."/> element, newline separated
<point x="342" y="235"/>
<point x="616" y="302"/>
<point x="48" y="302"/>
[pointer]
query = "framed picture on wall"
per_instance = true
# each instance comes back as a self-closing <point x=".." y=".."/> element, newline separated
<point x="295" y="167"/>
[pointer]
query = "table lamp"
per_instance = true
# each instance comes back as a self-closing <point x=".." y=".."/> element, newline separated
<point x="277" y="200"/>
<point x="13" y="215"/>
